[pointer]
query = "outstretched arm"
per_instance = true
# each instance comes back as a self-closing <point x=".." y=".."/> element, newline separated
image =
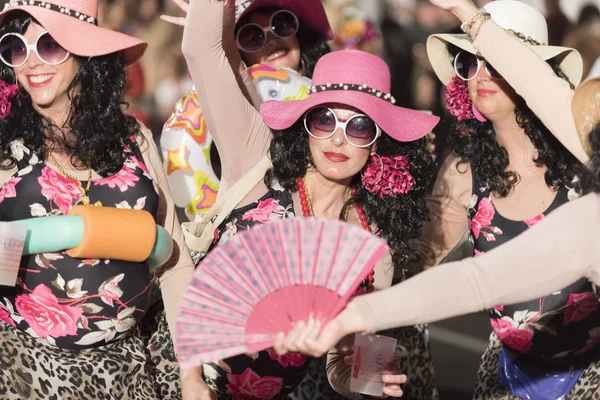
<point x="555" y="253"/>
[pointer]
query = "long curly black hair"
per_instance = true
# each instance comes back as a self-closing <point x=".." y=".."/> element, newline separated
<point x="312" y="48"/>
<point x="399" y="218"/>
<point x="590" y="175"/>
<point x="475" y="142"/>
<point x="96" y="117"/>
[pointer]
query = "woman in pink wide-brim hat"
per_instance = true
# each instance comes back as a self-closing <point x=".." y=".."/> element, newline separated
<point x="70" y="327"/>
<point x="345" y="152"/>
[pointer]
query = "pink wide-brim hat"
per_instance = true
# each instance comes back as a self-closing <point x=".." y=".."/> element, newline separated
<point x="310" y="13"/>
<point x="74" y="25"/>
<point x="356" y="79"/>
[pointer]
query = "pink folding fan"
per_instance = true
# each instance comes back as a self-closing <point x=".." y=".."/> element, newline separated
<point x="259" y="282"/>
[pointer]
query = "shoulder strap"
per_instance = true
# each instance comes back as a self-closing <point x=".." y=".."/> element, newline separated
<point x="234" y="196"/>
<point x="226" y="204"/>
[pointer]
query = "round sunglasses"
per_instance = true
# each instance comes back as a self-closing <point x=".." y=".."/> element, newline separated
<point x="15" y="50"/>
<point x="252" y="37"/>
<point x="467" y="65"/>
<point x="359" y="130"/>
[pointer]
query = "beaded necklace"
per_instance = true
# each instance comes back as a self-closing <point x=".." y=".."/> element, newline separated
<point x="307" y="211"/>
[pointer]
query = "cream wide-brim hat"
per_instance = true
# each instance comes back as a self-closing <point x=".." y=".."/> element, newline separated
<point x="514" y="16"/>
<point x="585" y="107"/>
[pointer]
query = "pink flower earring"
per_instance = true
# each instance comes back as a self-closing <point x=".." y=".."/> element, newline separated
<point x="458" y="101"/>
<point x="7" y="92"/>
<point x="387" y="176"/>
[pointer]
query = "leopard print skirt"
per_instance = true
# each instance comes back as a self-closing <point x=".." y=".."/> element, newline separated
<point x="586" y="388"/>
<point x="33" y="370"/>
<point x="141" y="366"/>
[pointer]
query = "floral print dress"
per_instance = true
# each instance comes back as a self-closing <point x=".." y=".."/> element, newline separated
<point x="265" y="375"/>
<point x="62" y="308"/>
<point x="556" y="331"/>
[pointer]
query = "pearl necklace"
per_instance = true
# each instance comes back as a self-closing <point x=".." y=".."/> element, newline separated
<point x="307" y="211"/>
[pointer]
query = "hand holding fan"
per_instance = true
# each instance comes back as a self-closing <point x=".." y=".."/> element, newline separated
<point x="262" y="280"/>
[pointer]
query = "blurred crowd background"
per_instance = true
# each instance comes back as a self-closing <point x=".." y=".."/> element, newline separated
<point x="393" y="29"/>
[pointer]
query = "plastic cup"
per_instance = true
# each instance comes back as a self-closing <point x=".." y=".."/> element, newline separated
<point x="371" y="356"/>
<point x="12" y="240"/>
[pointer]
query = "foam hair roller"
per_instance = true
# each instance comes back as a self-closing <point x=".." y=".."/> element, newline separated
<point x="100" y="232"/>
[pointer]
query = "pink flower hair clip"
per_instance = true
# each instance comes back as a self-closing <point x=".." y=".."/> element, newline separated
<point x="458" y="101"/>
<point x="387" y="176"/>
<point x="7" y="92"/>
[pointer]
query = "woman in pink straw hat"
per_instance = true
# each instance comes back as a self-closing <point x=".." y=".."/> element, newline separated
<point x="346" y="152"/>
<point x="297" y="39"/>
<point x="69" y="326"/>
<point x="554" y="254"/>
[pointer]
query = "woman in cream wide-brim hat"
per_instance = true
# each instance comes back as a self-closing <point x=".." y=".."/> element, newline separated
<point x="513" y="163"/>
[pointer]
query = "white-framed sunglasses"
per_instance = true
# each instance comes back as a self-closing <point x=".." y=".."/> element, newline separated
<point x="15" y="50"/>
<point x="467" y="65"/>
<point x="360" y="130"/>
<point x="252" y="37"/>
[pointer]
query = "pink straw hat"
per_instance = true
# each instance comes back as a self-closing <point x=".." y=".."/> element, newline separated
<point x="74" y="25"/>
<point x="356" y="79"/>
<point x="310" y="13"/>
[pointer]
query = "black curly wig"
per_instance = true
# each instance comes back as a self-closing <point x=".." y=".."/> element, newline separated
<point x="590" y="175"/>
<point x="475" y="142"/>
<point x="399" y="218"/>
<point x="312" y="48"/>
<point x="96" y="117"/>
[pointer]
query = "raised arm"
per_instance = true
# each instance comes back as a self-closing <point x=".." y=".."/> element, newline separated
<point x="237" y="128"/>
<point x="448" y="212"/>
<point x="548" y="257"/>
<point x="547" y="95"/>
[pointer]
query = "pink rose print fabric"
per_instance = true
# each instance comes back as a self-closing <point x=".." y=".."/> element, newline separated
<point x="266" y="211"/>
<point x="45" y="315"/>
<point x="123" y="179"/>
<point x="552" y="327"/>
<point x="293" y="359"/>
<point x="513" y="334"/>
<point x="66" y="302"/>
<point x="580" y="306"/>
<point x="59" y="190"/>
<point x="250" y="386"/>
<point x="9" y="189"/>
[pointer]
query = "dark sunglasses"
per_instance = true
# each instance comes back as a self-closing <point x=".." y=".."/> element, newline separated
<point x="467" y="65"/>
<point x="252" y="37"/>
<point x="359" y="130"/>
